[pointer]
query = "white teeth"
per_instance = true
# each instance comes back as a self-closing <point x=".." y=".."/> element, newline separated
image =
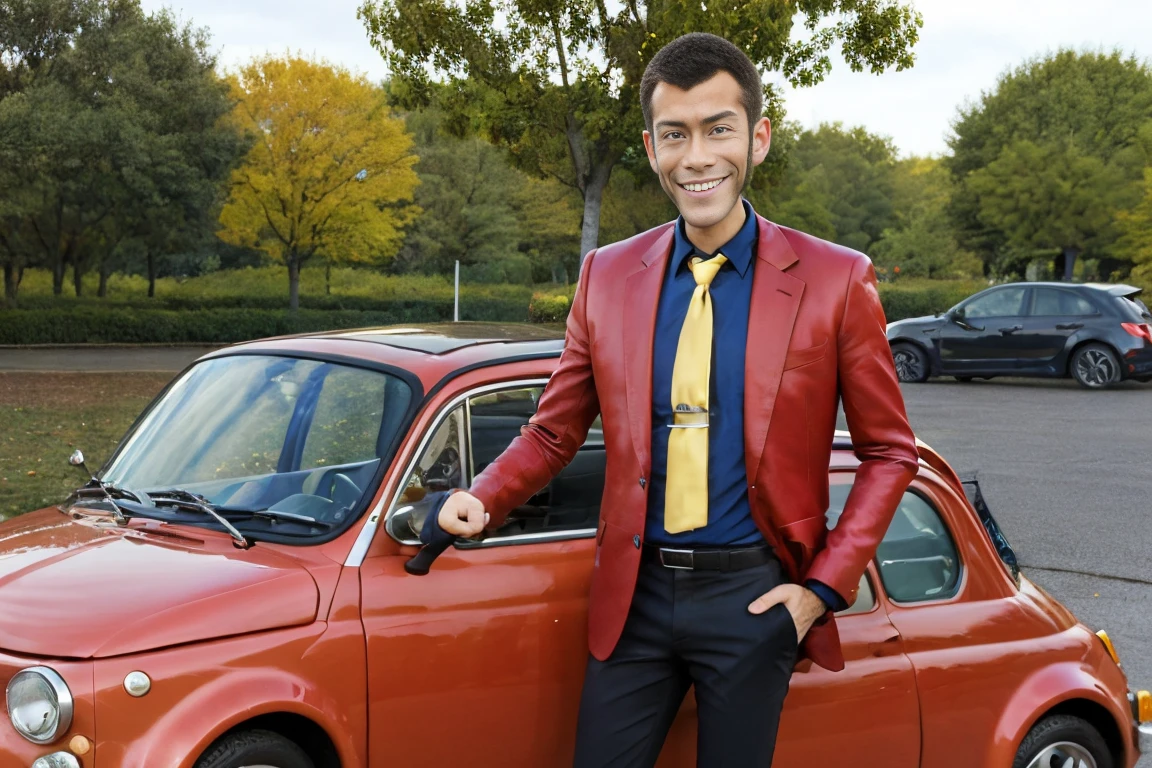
<point x="701" y="187"/>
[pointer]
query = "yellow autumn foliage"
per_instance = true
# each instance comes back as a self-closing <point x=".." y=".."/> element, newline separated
<point x="330" y="172"/>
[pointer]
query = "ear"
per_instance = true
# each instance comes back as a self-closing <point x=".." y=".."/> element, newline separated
<point x="650" y="148"/>
<point x="761" y="140"/>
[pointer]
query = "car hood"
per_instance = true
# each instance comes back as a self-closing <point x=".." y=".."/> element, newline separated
<point x="928" y="321"/>
<point x="80" y="589"/>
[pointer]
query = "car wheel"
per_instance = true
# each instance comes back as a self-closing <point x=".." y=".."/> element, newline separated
<point x="1095" y="366"/>
<point x="1063" y="741"/>
<point x="911" y="362"/>
<point x="255" y="749"/>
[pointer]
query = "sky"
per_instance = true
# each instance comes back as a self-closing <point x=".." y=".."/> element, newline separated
<point x="965" y="45"/>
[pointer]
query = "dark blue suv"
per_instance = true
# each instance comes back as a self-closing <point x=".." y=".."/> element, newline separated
<point x="1097" y="334"/>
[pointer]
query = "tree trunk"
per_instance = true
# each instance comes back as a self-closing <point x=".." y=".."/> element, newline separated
<point x="77" y="278"/>
<point x="327" y="278"/>
<point x="151" y="274"/>
<point x="593" y="198"/>
<point x="11" y="284"/>
<point x="58" y="276"/>
<point x="102" y="291"/>
<point x="1070" y="255"/>
<point x="293" y="283"/>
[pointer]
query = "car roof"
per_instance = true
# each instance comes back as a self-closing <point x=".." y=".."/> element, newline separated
<point x="1111" y="288"/>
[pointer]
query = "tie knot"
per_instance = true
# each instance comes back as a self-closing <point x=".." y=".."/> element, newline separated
<point x="705" y="270"/>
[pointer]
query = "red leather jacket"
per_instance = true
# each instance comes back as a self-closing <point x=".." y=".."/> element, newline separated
<point x="815" y="336"/>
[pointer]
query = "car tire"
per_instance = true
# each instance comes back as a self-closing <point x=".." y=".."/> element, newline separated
<point x="1095" y="366"/>
<point x="255" y="749"/>
<point x="1063" y="740"/>
<point x="911" y="363"/>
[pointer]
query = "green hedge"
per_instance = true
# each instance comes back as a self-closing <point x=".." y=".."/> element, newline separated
<point x="88" y="322"/>
<point x="84" y="325"/>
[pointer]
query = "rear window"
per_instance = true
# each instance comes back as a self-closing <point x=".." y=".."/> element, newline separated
<point x="1133" y="307"/>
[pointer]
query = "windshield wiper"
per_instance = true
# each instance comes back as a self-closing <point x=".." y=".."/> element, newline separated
<point x="273" y="514"/>
<point x="109" y="492"/>
<point x="181" y="499"/>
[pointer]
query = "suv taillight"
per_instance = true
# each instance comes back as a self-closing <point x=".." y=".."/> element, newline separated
<point x="1139" y="330"/>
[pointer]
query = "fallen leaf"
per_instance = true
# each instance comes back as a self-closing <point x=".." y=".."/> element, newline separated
<point x="31" y="473"/>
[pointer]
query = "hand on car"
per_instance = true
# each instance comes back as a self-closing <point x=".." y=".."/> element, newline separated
<point x="804" y="605"/>
<point x="463" y="515"/>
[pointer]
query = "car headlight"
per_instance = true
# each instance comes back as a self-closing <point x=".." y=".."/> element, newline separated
<point x="39" y="704"/>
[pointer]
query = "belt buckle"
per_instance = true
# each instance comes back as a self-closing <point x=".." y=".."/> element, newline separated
<point x="691" y="558"/>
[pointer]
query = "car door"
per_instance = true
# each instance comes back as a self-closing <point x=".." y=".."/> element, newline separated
<point x="866" y="715"/>
<point x="985" y="338"/>
<point x="1055" y="315"/>
<point x="481" y="660"/>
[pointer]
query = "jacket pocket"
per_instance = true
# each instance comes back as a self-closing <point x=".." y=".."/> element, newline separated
<point x="805" y="356"/>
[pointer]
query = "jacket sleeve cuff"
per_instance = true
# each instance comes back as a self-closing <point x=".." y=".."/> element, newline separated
<point x="832" y="599"/>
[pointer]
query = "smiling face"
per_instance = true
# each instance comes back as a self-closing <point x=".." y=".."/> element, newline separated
<point x="702" y="148"/>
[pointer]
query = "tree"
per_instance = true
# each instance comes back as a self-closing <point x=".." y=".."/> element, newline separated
<point x="111" y="130"/>
<point x="1074" y="108"/>
<point x="837" y="184"/>
<point x="922" y="242"/>
<point x="1135" y="226"/>
<point x="1051" y="197"/>
<point x="557" y="81"/>
<point x="330" y="172"/>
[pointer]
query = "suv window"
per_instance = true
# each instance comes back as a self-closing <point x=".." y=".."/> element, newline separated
<point x="917" y="558"/>
<point x="1002" y="302"/>
<point x="1053" y="301"/>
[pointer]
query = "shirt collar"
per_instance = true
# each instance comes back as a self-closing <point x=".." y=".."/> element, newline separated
<point x="739" y="250"/>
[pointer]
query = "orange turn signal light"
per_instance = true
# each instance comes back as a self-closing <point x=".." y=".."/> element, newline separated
<point x="1144" y="707"/>
<point x="1108" y="644"/>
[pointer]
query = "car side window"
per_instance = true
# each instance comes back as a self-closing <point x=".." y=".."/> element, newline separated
<point x="571" y="502"/>
<point x="917" y="558"/>
<point x="1047" y="302"/>
<point x="1002" y="302"/>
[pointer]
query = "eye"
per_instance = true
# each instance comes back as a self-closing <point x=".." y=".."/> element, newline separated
<point x="721" y="129"/>
<point x="673" y="135"/>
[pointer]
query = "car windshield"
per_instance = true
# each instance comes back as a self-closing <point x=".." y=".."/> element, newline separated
<point x="255" y="432"/>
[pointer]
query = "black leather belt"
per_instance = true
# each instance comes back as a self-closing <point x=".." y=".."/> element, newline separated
<point x="710" y="559"/>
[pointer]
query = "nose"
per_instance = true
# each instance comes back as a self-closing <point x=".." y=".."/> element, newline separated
<point x="699" y="155"/>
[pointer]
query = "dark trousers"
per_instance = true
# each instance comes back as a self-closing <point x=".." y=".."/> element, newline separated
<point x="691" y="628"/>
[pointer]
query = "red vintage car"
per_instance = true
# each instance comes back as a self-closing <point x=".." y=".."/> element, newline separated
<point x="232" y="591"/>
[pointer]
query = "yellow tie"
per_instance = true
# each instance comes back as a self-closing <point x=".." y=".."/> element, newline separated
<point x="686" y="498"/>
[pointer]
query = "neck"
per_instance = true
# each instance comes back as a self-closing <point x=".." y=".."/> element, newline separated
<point x="709" y="239"/>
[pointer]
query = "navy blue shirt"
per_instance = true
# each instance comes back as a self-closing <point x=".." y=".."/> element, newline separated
<point x="729" y="514"/>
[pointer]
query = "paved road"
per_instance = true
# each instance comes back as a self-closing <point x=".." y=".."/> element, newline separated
<point x="1068" y="474"/>
<point x="100" y="358"/>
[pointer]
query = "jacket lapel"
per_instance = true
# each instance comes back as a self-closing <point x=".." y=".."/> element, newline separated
<point x="642" y="290"/>
<point x="775" y="302"/>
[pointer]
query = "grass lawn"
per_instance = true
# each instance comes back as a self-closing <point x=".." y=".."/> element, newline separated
<point x="44" y="416"/>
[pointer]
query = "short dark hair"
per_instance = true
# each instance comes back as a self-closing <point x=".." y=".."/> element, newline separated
<point x="695" y="57"/>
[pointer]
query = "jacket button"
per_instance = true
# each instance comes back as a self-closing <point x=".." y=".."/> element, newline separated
<point x="643" y="482"/>
<point x="636" y="540"/>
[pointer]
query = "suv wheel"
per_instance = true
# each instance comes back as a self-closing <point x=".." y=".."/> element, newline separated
<point x="1094" y="366"/>
<point x="911" y="362"/>
<point x="255" y="749"/>
<point x="1063" y="741"/>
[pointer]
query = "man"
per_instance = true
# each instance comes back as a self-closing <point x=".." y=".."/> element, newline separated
<point x="716" y="349"/>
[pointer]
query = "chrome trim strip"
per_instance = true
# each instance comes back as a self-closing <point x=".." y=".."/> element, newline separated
<point x="364" y="539"/>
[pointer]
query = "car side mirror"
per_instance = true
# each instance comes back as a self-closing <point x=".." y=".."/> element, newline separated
<point x="956" y="315"/>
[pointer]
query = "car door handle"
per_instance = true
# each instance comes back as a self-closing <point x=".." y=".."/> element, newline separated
<point x="1068" y="326"/>
<point x="1013" y="329"/>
